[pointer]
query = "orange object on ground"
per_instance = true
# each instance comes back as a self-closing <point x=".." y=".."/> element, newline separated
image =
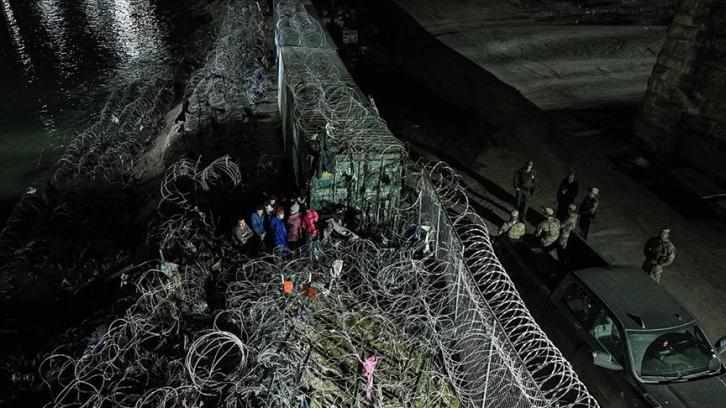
<point x="310" y="291"/>
<point x="287" y="286"/>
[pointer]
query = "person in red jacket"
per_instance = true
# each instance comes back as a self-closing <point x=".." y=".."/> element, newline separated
<point x="294" y="222"/>
<point x="311" y="232"/>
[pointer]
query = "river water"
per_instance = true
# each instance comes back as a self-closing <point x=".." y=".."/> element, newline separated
<point x="59" y="60"/>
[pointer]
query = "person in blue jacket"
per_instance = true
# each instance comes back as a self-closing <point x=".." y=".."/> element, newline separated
<point x="257" y="221"/>
<point x="279" y="232"/>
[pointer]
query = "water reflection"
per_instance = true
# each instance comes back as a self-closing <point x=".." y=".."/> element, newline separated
<point x="126" y="31"/>
<point x="66" y="57"/>
<point x="24" y="58"/>
<point x="55" y="27"/>
<point x="17" y="39"/>
<point x="130" y="30"/>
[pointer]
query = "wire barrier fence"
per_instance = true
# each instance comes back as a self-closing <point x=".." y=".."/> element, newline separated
<point x="295" y="27"/>
<point x="538" y="369"/>
<point x="401" y="319"/>
<point x="394" y="321"/>
<point x="326" y="101"/>
<point x="183" y="227"/>
<point x="331" y="127"/>
<point x="234" y="76"/>
<point x="107" y="151"/>
<point x="340" y="146"/>
<point x="61" y="236"/>
<point x="326" y="98"/>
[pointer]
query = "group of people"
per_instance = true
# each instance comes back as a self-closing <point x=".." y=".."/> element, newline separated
<point x="525" y="182"/>
<point x="280" y="226"/>
<point x="555" y="230"/>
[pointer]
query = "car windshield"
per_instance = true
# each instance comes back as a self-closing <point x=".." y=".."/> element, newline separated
<point x="671" y="353"/>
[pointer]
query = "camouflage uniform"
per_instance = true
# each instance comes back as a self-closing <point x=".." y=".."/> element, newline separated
<point x="568" y="225"/>
<point x="513" y="229"/>
<point x="658" y="253"/>
<point x="548" y="231"/>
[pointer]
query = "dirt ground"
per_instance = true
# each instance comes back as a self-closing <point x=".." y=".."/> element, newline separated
<point x="574" y="63"/>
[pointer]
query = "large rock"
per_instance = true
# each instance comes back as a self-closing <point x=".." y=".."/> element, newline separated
<point x="683" y="113"/>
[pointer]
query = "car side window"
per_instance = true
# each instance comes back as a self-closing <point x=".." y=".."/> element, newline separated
<point x="607" y="333"/>
<point x="578" y="301"/>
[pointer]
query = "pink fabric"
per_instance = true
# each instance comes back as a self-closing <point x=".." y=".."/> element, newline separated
<point x="293" y="227"/>
<point x="311" y="217"/>
<point x="368" y="366"/>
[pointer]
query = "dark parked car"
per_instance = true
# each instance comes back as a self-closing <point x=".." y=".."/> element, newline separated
<point x="629" y="340"/>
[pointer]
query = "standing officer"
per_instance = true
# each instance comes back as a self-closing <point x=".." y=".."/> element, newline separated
<point x="567" y="226"/>
<point x="659" y="252"/>
<point x="524" y="184"/>
<point x="566" y="194"/>
<point x="588" y="208"/>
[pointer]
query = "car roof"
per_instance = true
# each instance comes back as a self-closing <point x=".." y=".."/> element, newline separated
<point x="635" y="298"/>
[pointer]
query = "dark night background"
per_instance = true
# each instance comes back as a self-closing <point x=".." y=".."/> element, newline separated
<point x="565" y="81"/>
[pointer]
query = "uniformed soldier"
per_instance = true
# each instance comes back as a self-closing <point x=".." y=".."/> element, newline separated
<point x="588" y="208"/>
<point x="548" y="231"/>
<point x="659" y="252"/>
<point x="524" y="184"/>
<point x="568" y="225"/>
<point x="566" y="195"/>
<point x="512" y="229"/>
